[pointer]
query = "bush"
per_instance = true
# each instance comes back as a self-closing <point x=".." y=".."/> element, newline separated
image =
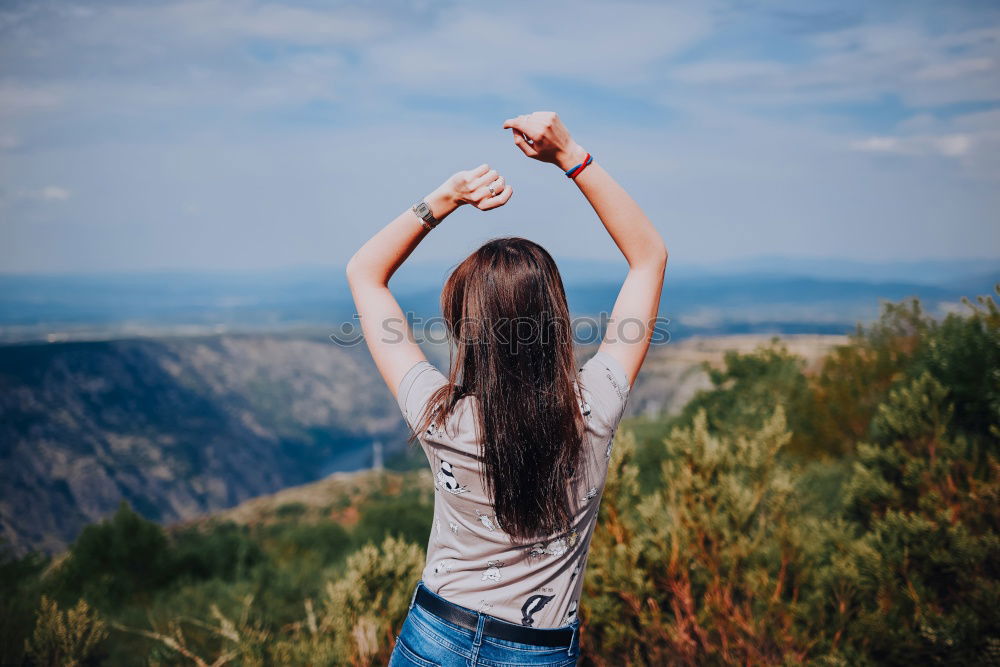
<point x="226" y="551"/>
<point x="362" y="611"/>
<point x="20" y="589"/>
<point x="711" y="567"/>
<point x="116" y="561"/>
<point x="928" y="587"/>
<point x="733" y="559"/>
<point x="66" y="638"/>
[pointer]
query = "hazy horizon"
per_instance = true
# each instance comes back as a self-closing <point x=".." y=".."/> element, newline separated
<point x="935" y="268"/>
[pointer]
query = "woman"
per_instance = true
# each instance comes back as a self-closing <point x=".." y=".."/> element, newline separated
<point x="517" y="437"/>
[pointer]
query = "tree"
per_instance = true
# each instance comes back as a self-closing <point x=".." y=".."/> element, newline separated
<point x="928" y="563"/>
<point x="117" y="560"/>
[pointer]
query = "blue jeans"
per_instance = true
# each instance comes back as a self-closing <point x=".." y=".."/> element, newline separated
<point x="429" y="641"/>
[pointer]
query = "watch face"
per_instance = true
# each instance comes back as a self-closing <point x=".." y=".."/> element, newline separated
<point x="423" y="209"/>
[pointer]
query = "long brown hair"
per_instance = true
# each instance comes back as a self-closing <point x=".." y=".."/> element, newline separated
<point x="506" y="314"/>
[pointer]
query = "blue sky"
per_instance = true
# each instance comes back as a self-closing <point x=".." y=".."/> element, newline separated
<point x="250" y="135"/>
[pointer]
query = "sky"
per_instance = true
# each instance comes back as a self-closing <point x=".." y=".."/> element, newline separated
<point x="244" y="135"/>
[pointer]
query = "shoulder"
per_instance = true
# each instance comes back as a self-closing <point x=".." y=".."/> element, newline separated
<point x="604" y="379"/>
<point x="416" y="387"/>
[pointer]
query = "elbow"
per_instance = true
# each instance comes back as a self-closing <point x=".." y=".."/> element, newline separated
<point x="661" y="256"/>
<point x="355" y="271"/>
<point x="360" y="272"/>
<point x="653" y="259"/>
<point x="351" y="269"/>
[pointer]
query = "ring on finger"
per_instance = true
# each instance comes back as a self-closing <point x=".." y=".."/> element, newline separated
<point x="493" y="192"/>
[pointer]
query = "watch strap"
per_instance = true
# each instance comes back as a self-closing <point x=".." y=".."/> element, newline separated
<point x="423" y="211"/>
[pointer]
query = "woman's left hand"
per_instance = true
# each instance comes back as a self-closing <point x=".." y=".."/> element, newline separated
<point x="482" y="187"/>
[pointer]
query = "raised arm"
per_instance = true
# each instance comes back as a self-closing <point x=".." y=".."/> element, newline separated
<point x="383" y="324"/>
<point x="542" y="136"/>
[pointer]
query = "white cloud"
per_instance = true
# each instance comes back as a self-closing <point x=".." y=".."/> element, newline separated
<point x="972" y="139"/>
<point x="52" y="193"/>
<point x="471" y="51"/>
<point x="48" y="193"/>
<point x="28" y="98"/>
<point x="227" y="19"/>
<point x="860" y="64"/>
<point x="745" y="72"/>
<point x="956" y="69"/>
<point x="954" y="145"/>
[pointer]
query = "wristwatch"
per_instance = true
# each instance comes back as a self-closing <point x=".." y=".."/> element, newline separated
<point x="423" y="212"/>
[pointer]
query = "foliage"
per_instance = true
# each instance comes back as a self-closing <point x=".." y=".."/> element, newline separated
<point x="963" y="354"/>
<point x="360" y="614"/>
<point x="66" y="638"/>
<point x="20" y="588"/>
<point x="746" y="391"/>
<point x="116" y="561"/>
<point x="929" y="562"/>
<point x="226" y="552"/>
<point x="732" y="561"/>
<point x="712" y="567"/>
<point x="393" y="516"/>
<point x="127" y="559"/>
<point x="856" y="378"/>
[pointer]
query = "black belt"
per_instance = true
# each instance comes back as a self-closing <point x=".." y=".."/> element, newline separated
<point x="492" y="626"/>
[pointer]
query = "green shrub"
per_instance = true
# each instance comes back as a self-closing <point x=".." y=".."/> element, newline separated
<point x="66" y="638"/>
<point x="711" y="567"/>
<point x="20" y="588"/>
<point x="225" y="550"/>
<point x="928" y="586"/>
<point x="290" y="510"/>
<point x="406" y="516"/>
<point x="116" y="561"/>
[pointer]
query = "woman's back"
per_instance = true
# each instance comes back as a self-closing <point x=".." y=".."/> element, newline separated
<point x="524" y="435"/>
<point x="471" y="561"/>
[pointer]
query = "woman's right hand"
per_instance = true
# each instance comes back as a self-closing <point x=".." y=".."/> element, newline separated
<point x="472" y="186"/>
<point x="541" y="135"/>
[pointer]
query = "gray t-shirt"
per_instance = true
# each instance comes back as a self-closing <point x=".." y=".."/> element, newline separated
<point x="470" y="560"/>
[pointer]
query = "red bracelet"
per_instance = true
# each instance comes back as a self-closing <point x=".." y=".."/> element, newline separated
<point x="575" y="171"/>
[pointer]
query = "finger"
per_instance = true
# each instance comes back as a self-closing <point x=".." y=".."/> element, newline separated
<point x="494" y="202"/>
<point x="483" y="193"/>
<point x="483" y="180"/>
<point x="480" y="170"/>
<point x="521" y="143"/>
<point x="483" y="188"/>
<point x="527" y="126"/>
<point x="517" y="122"/>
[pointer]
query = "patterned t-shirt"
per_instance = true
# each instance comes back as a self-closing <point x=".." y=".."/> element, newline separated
<point x="470" y="560"/>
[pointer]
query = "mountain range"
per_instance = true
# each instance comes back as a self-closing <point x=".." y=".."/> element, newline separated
<point x="758" y="295"/>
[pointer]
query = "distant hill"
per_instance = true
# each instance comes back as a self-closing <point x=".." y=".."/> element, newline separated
<point x="176" y="426"/>
<point x="762" y="295"/>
